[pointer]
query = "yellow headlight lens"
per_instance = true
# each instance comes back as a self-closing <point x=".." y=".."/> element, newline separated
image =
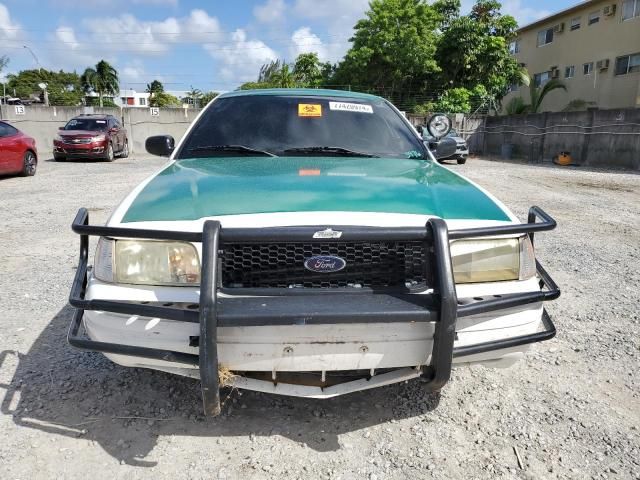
<point x="490" y="260"/>
<point x="156" y="263"/>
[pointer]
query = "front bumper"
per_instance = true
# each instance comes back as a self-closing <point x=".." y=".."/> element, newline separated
<point x="441" y="308"/>
<point x="89" y="150"/>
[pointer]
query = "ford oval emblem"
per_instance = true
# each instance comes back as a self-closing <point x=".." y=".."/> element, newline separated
<point x="325" y="264"/>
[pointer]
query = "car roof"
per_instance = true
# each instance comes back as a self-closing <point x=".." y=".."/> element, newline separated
<point x="95" y="115"/>
<point x="306" y="92"/>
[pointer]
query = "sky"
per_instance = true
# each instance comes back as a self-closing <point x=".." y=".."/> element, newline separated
<point x="210" y="45"/>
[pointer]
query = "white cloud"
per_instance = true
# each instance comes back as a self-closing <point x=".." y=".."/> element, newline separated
<point x="242" y="59"/>
<point x="270" y="12"/>
<point x="304" y="40"/>
<point x="339" y="17"/>
<point x="8" y="29"/>
<point x="522" y="14"/>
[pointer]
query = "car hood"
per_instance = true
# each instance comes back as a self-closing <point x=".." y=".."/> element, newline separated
<point x="80" y="133"/>
<point x="191" y="189"/>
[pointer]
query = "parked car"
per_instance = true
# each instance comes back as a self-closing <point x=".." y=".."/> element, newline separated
<point x="307" y="243"/>
<point x="18" y="152"/>
<point x="91" y="136"/>
<point x="462" y="150"/>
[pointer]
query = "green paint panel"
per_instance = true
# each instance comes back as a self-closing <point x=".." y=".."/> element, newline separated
<point x="204" y="187"/>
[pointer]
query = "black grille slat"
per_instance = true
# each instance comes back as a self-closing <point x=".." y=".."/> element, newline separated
<point x="281" y="265"/>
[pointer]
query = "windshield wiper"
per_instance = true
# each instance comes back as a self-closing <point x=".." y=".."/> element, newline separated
<point x="231" y="148"/>
<point x="332" y="150"/>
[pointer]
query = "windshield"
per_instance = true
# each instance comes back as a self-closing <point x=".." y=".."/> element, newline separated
<point x="90" y="124"/>
<point x="301" y="126"/>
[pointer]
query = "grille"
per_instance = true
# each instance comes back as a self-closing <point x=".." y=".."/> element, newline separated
<point x="281" y="265"/>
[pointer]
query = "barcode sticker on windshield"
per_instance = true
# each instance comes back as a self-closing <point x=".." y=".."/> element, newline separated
<point x="350" y="107"/>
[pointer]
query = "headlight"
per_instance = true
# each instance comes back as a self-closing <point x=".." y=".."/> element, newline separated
<point x="493" y="260"/>
<point x="98" y="138"/>
<point x="58" y="138"/>
<point x="145" y="262"/>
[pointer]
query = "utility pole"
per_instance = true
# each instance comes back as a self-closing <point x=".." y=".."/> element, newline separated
<point x="44" y="88"/>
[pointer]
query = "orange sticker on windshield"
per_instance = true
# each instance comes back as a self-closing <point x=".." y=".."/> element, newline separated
<point x="309" y="110"/>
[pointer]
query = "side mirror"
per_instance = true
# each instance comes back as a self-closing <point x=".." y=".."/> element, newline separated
<point x="61" y="128"/>
<point x="445" y="147"/>
<point x="160" y="145"/>
<point x="420" y="129"/>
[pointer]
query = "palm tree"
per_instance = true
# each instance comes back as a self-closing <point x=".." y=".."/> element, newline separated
<point x="284" y="77"/>
<point x="537" y="94"/>
<point x="103" y="79"/>
<point x="193" y="95"/>
<point x="517" y="106"/>
<point x="153" y="89"/>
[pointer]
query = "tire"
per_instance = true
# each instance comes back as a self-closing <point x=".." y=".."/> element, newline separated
<point x="462" y="161"/>
<point x="125" y="150"/>
<point x="29" y="164"/>
<point x="110" y="155"/>
<point x="59" y="158"/>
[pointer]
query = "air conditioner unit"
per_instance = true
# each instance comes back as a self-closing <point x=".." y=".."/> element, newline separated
<point x="602" y="64"/>
<point x="609" y="10"/>
<point x="559" y="28"/>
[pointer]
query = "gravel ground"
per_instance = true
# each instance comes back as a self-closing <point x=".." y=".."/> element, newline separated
<point x="570" y="410"/>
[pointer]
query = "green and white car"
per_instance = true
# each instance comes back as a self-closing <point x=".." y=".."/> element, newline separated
<point x="307" y="243"/>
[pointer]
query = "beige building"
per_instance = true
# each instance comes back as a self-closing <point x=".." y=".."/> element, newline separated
<point x="593" y="47"/>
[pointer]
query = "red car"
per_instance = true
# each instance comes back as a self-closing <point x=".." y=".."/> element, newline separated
<point x="91" y="136"/>
<point x="18" y="153"/>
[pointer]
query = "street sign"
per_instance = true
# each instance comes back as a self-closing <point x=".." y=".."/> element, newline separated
<point x="155" y="111"/>
<point x="20" y="109"/>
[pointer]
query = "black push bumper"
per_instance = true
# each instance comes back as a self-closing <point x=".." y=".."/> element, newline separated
<point x="307" y="307"/>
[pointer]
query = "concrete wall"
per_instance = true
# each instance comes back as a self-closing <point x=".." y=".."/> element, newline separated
<point x="599" y="138"/>
<point x="42" y="123"/>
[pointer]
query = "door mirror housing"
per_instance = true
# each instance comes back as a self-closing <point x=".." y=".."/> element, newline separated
<point x="443" y="148"/>
<point x="160" y="145"/>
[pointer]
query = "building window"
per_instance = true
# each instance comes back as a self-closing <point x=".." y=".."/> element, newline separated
<point x="514" y="47"/>
<point x="569" y="71"/>
<point x="628" y="64"/>
<point x="540" y="79"/>
<point x="630" y="9"/>
<point x="587" y="68"/>
<point x="575" y="23"/>
<point x="123" y="99"/>
<point x="143" y="102"/>
<point x="545" y="37"/>
<point x="594" y="17"/>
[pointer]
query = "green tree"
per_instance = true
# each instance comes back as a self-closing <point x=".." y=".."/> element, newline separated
<point x="64" y="88"/>
<point x="164" y="99"/>
<point x="537" y="95"/>
<point x="284" y="77"/>
<point x="153" y="89"/>
<point x="207" y="97"/>
<point x="474" y="50"/>
<point x="307" y="70"/>
<point x="393" y="49"/>
<point x="268" y="70"/>
<point x="193" y="96"/>
<point x="103" y="80"/>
